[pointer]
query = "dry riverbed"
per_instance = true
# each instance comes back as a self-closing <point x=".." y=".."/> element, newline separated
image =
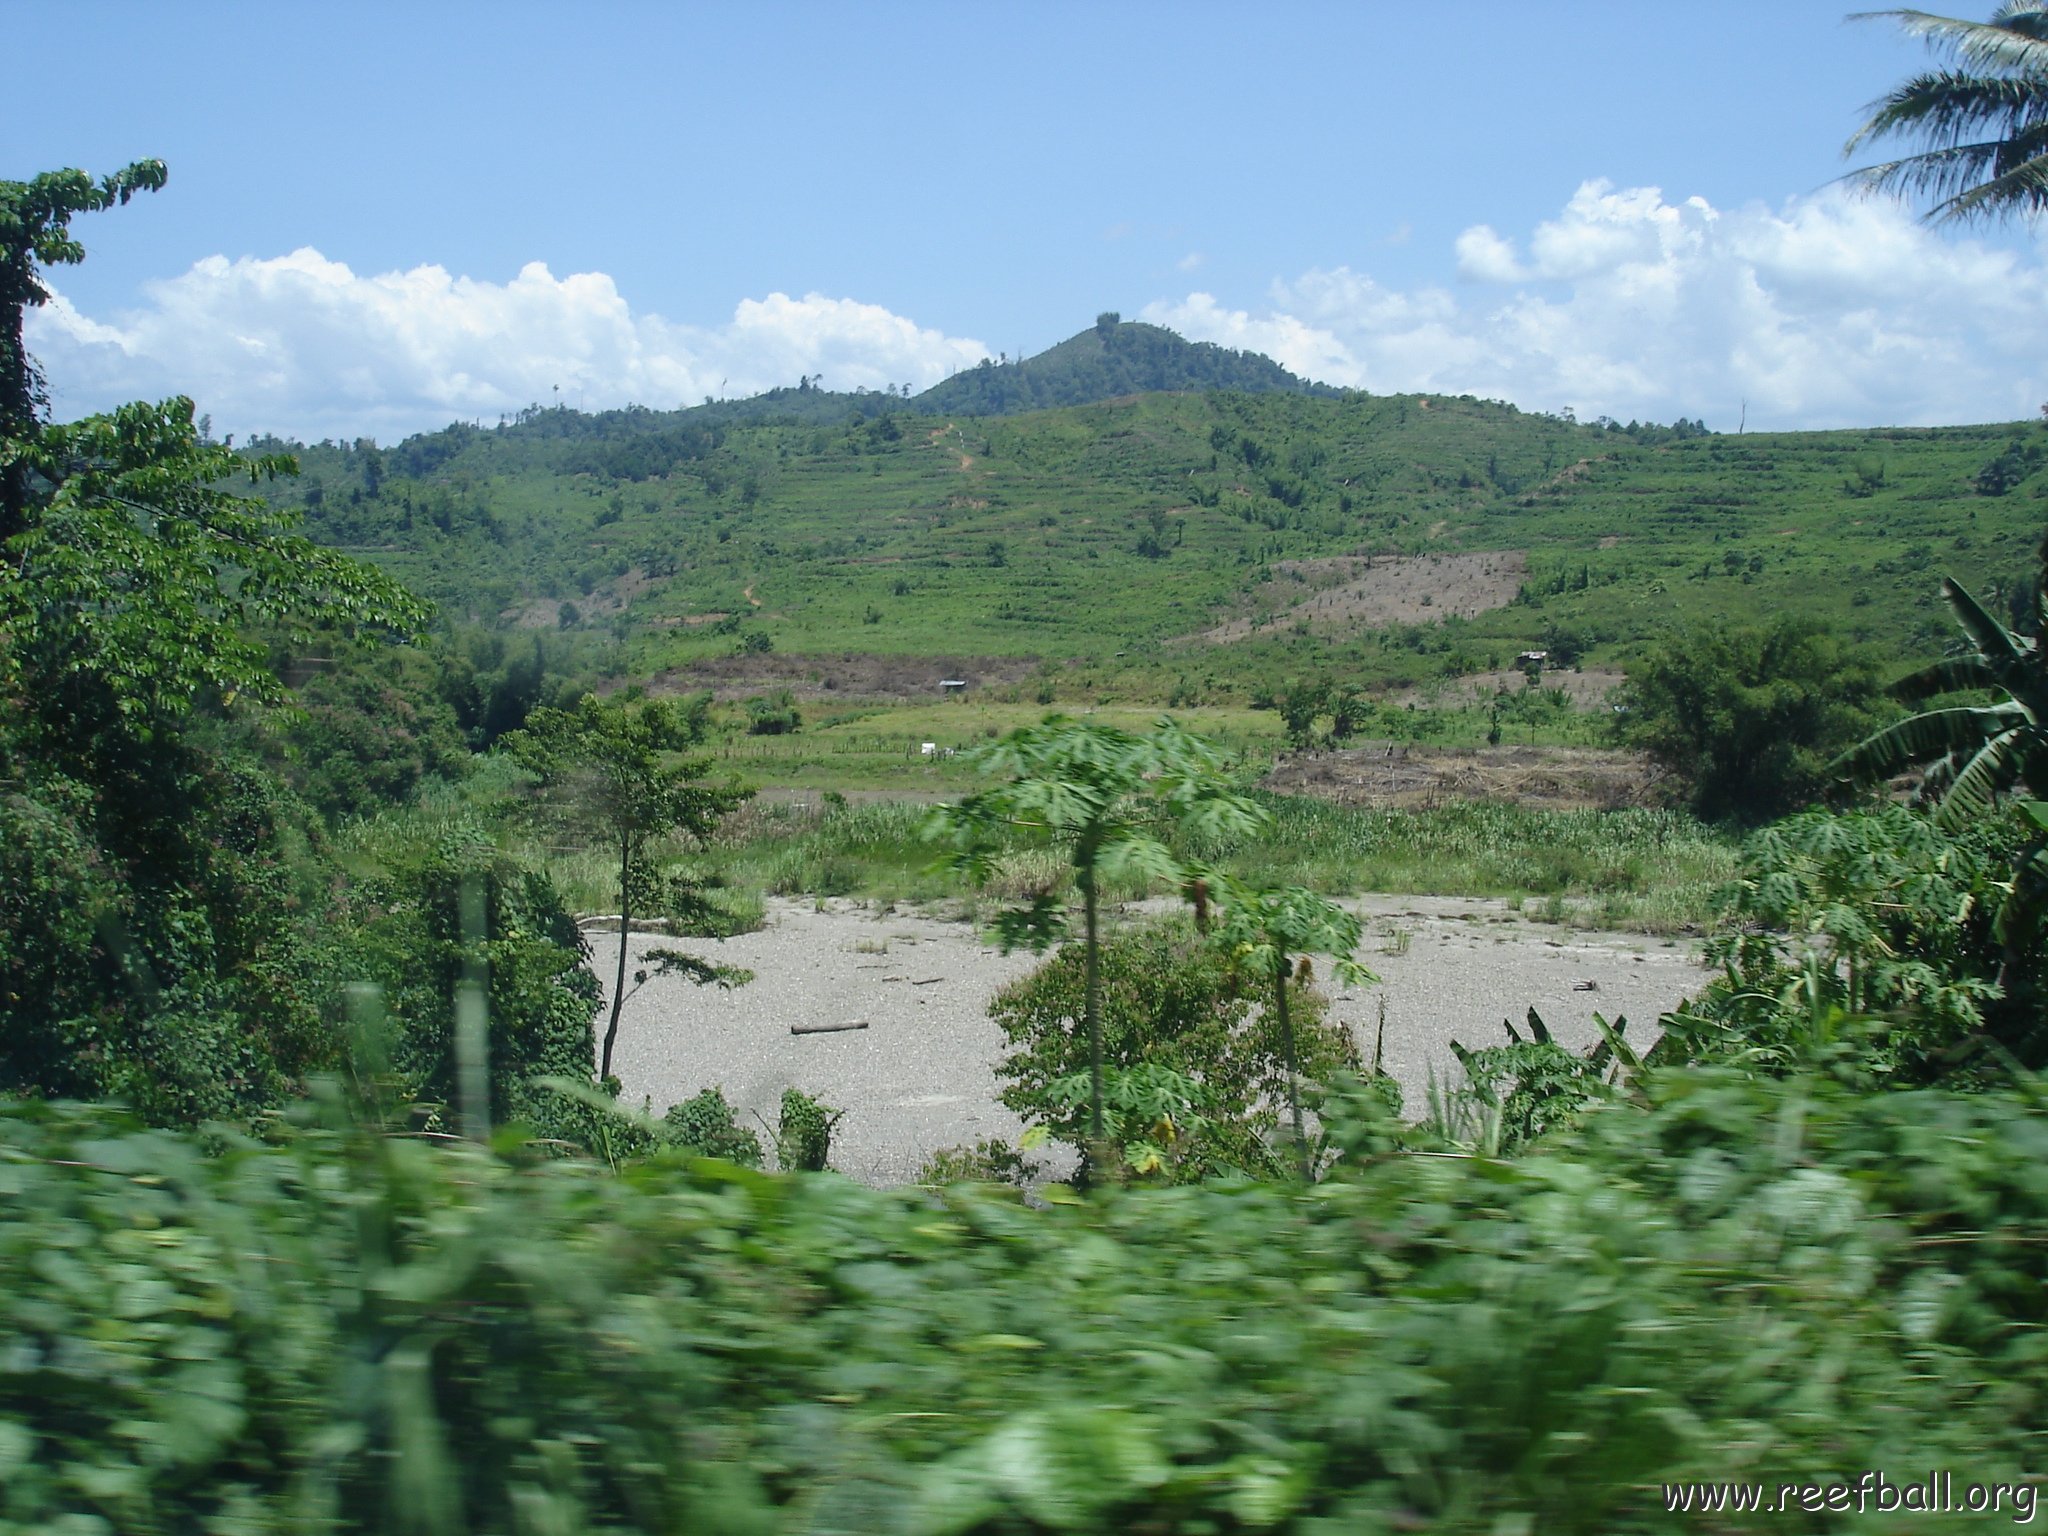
<point x="920" y="1075"/>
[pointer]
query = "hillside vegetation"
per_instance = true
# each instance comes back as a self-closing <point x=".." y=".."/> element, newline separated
<point x="1193" y="546"/>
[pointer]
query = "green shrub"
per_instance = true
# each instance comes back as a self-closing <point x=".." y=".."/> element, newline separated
<point x="1177" y="1024"/>
<point x="705" y="1125"/>
<point x="370" y="731"/>
<point x="1766" y="1281"/>
<point x="1867" y="943"/>
<point x="152" y="938"/>
<point x="988" y="1161"/>
<point x="803" y="1133"/>
<point x="1747" y="717"/>
<point x="402" y="930"/>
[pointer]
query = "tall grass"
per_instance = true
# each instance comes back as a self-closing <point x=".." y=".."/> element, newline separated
<point x="1645" y="869"/>
<point x="1652" y="871"/>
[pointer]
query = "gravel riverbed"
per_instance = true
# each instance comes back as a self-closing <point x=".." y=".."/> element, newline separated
<point x="920" y="1075"/>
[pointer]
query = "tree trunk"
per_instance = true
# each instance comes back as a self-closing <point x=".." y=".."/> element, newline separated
<point x="17" y="391"/>
<point x="611" y="1033"/>
<point x="1293" y="1079"/>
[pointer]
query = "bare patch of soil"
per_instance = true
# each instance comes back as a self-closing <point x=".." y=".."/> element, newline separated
<point x="850" y="676"/>
<point x="920" y="1071"/>
<point x="1352" y="592"/>
<point x="602" y="602"/>
<point x="1388" y="775"/>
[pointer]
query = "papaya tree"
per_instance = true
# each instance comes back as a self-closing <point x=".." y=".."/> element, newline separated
<point x="1108" y="798"/>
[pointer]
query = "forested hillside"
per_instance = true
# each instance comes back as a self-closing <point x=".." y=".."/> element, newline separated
<point x="1216" y="540"/>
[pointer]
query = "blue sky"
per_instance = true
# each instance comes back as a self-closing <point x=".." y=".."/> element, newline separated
<point x="381" y="218"/>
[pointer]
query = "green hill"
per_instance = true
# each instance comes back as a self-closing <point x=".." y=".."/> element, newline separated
<point x="1188" y="545"/>
<point x="1113" y="359"/>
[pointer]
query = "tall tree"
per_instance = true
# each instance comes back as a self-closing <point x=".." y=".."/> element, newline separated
<point x="617" y="764"/>
<point x="35" y="231"/>
<point x="147" y="943"/>
<point x="1983" y="119"/>
<point x="1106" y="796"/>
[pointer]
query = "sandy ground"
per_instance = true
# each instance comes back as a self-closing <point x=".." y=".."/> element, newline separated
<point x="921" y="1075"/>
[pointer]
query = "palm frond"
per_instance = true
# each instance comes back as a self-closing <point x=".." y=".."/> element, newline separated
<point x="1943" y="108"/>
<point x="1956" y="179"/>
<point x="2025" y="186"/>
<point x="1921" y="737"/>
<point x="1983" y="121"/>
<point x="1995" y="769"/>
<point x="1956" y="675"/>
<point x="2016" y="38"/>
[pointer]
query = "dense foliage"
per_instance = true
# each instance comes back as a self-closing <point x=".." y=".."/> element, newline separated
<point x="1195" y="1070"/>
<point x="1778" y="1282"/>
<point x="176" y="934"/>
<point x="1748" y="716"/>
<point x="1876" y="945"/>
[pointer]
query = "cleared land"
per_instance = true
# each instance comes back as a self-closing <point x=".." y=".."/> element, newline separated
<point x="1348" y="593"/>
<point x="921" y="1076"/>
<point x="1389" y="775"/>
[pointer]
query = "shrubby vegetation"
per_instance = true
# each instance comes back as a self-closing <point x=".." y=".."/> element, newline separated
<point x="1743" y="1278"/>
<point x="1194" y="1070"/>
<point x="1748" y="717"/>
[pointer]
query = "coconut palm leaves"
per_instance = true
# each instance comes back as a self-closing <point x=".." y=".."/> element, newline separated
<point x="1973" y="754"/>
<point x="1983" y="120"/>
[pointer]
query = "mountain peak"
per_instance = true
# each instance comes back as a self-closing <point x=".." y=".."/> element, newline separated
<point x="1113" y="357"/>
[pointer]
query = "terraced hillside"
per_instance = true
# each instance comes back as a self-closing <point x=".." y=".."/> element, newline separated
<point x="1189" y="545"/>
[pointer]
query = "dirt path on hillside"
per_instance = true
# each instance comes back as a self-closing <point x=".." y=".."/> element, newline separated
<point x="921" y="1075"/>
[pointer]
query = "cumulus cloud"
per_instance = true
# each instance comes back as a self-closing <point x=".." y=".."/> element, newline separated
<point x="1829" y="311"/>
<point x="305" y="347"/>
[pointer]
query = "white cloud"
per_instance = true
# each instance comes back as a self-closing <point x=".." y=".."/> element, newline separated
<point x="1831" y="311"/>
<point x="1828" y="311"/>
<point x="304" y="347"/>
<point x="1191" y="261"/>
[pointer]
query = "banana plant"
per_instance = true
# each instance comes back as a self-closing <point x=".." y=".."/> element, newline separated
<point x="1974" y="754"/>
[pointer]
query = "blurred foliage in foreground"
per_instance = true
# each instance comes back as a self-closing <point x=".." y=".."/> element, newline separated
<point x="346" y="1330"/>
